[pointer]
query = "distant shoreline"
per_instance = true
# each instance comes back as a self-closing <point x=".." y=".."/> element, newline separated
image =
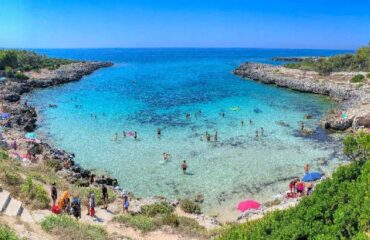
<point x="354" y="108"/>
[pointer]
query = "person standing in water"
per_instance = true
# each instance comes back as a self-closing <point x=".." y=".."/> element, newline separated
<point x="116" y="137"/>
<point x="158" y="132"/>
<point x="257" y="134"/>
<point x="124" y="134"/>
<point x="250" y="122"/>
<point x="302" y="126"/>
<point x="262" y="131"/>
<point x="216" y="136"/>
<point x="184" y="166"/>
<point x="242" y="123"/>
<point x="135" y="135"/>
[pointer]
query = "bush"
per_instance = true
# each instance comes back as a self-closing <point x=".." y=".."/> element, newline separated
<point x="358" y="78"/>
<point x="368" y="75"/>
<point x="141" y="222"/>
<point x="156" y="209"/>
<point x="12" y="178"/>
<point x="9" y="71"/>
<point x="190" y="227"/>
<point x="189" y="206"/>
<point x="34" y="194"/>
<point x="20" y="75"/>
<point x="66" y="227"/>
<point x="7" y="234"/>
<point x="53" y="164"/>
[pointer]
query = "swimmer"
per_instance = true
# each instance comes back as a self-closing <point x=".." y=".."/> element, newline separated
<point x="216" y="136"/>
<point x="242" y="123"/>
<point x="257" y="134"/>
<point x="262" y="131"/>
<point x="302" y="126"/>
<point x="124" y="134"/>
<point x="184" y="166"/>
<point x="223" y="114"/>
<point x="158" y="132"/>
<point x="187" y="115"/>
<point x="208" y="138"/>
<point x="166" y="156"/>
<point x="250" y="122"/>
<point x="135" y="135"/>
<point x="116" y="137"/>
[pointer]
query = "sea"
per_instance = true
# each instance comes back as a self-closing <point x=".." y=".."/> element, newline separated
<point x="187" y="92"/>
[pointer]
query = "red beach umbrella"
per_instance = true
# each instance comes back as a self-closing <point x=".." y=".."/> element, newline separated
<point x="248" y="204"/>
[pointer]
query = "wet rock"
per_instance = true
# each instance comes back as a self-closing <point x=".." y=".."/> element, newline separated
<point x="306" y="132"/>
<point x="12" y="97"/>
<point x="308" y="116"/>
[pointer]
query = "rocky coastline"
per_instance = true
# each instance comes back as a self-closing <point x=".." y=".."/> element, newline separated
<point x="353" y="111"/>
<point x="23" y="118"/>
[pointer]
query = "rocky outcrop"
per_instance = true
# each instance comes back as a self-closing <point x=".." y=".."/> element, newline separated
<point x="354" y="100"/>
<point x="23" y="117"/>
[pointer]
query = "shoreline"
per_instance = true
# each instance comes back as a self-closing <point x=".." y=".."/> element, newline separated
<point x="13" y="89"/>
<point x="24" y="117"/>
<point x="354" y="99"/>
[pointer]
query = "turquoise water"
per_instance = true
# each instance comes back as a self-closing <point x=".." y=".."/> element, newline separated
<point x="151" y="88"/>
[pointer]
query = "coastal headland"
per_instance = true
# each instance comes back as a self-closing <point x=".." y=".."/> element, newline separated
<point x="353" y="111"/>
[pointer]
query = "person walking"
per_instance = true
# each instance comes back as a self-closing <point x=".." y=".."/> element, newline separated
<point x="104" y="191"/>
<point x="125" y="204"/>
<point x="54" y="194"/>
<point x="92" y="204"/>
<point x="184" y="166"/>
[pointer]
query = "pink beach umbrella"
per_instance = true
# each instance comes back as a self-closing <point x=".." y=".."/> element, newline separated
<point x="248" y="204"/>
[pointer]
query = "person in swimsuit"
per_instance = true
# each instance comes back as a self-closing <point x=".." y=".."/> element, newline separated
<point x="104" y="191"/>
<point x="116" y="137"/>
<point x="250" y="122"/>
<point x="166" y="156"/>
<point x="184" y="166"/>
<point x="242" y="123"/>
<point x="124" y="134"/>
<point x="158" y="132"/>
<point x="216" y="136"/>
<point x="135" y="135"/>
<point x="257" y="134"/>
<point x="262" y="131"/>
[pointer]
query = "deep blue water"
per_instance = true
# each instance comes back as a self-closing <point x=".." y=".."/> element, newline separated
<point x="151" y="88"/>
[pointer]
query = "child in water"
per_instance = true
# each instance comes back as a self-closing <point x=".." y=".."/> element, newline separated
<point x="184" y="166"/>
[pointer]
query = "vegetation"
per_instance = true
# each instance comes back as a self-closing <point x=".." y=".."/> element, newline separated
<point x="358" y="78"/>
<point x="34" y="194"/>
<point x="7" y="234"/>
<point x="66" y="227"/>
<point x="156" y="215"/>
<point x="15" y="62"/>
<point x="368" y="75"/>
<point x="339" y="208"/>
<point x="359" y="61"/>
<point x="189" y="206"/>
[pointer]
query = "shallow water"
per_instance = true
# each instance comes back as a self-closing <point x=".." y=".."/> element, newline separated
<point x="151" y="88"/>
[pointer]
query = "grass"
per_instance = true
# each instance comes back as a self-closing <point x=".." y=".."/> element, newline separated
<point x="140" y="222"/>
<point x="34" y="194"/>
<point x="66" y="227"/>
<point x="189" y="206"/>
<point x="359" y="78"/>
<point x="7" y="234"/>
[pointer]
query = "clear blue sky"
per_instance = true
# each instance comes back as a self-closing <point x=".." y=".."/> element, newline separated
<point x="328" y="24"/>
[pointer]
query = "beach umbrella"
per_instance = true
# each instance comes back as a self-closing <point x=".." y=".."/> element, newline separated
<point x="248" y="204"/>
<point x="5" y="115"/>
<point x="31" y="135"/>
<point x="311" y="176"/>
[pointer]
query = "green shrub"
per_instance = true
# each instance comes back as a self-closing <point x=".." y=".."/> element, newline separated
<point x="66" y="227"/>
<point x="169" y="220"/>
<point x="53" y="164"/>
<point x="141" y="222"/>
<point x="189" y="206"/>
<point x="358" y="78"/>
<point x="156" y="209"/>
<point x="34" y="194"/>
<point x="368" y="75"/>
<point x="20" y="75"/>
<point x="7" y="234"/>
<point x="190" y="226"/>
<point x="9" y="71"/>
<point x="12" y="178"/>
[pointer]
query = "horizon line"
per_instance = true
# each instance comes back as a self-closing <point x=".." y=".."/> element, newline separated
<point x="92" y="48"/>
